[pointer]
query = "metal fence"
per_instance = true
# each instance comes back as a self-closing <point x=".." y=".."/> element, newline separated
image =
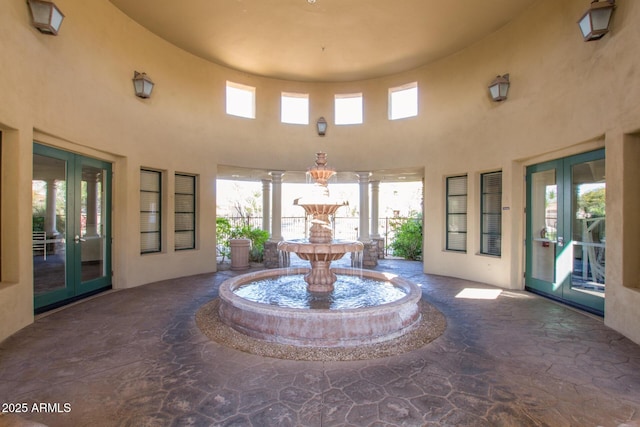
<point x="297" y="227"/>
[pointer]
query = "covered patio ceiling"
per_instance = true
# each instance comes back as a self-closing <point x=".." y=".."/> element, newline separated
<point x="235" y="173"/>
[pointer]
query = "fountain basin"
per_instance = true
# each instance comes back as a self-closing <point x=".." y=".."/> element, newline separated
<point x="320" y="327"/>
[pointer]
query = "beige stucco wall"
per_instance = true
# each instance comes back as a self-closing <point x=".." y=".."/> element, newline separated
<point x="74" y="91"/>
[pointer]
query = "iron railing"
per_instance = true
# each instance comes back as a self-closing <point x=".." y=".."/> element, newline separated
<point x="346" y="228"/>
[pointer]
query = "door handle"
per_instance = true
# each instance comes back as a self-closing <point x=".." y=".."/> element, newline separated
<point x="77" y="239"/>
<point x="560" y="241"/>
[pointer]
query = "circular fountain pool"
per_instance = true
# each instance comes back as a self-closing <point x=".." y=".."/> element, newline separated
<point x="350" y="292"/>
<point x="323" y="325"/>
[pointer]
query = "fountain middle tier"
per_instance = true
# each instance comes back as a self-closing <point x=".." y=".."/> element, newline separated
<point x="320" y="278"/>
<point x="330" y="251"/>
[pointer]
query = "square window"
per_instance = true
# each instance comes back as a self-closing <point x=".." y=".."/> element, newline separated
<point x="294" y="108"/>
<point x="403" y="101"/>
<point x="348" y="109"/>
<point x="241" y="100"/>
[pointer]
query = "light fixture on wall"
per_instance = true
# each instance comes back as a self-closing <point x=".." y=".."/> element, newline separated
<point x="595" y="22"/>
<point x="499" y="88"/>
<point x="45" y="16"/>
<point x="322" y="126"/>
<point x="142" y="84"/>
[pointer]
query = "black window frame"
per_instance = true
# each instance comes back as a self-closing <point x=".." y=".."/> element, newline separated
<point x="179" y="210"/>
<point x="157" y="211"/>
<point x="491" y="214"/>
<point x="451" y="201"/>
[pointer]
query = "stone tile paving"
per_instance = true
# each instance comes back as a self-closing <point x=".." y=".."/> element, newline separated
<point x="136" y="358"/>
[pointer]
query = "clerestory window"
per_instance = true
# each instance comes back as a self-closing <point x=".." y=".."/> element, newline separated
<point x="241" y="100"/>
<point x="403" y="101"/>
<point x="294" y="108"/>
<point x="348" y="109"/>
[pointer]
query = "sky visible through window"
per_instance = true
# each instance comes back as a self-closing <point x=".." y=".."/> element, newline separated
<point x="348" y="109"/>
<point x="403" y="102"/>
<point x="295" y="108"/>
<point x="241" y="100"/>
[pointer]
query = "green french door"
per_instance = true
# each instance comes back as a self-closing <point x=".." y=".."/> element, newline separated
<point x="71" y="204"/>
<point x="566" y="239"/>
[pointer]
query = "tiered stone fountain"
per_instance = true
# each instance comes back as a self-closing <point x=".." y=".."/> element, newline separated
<point x="321" y="249"/>
<point x="260" y="314"/>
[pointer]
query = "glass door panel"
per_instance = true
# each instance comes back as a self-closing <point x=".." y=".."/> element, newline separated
<point x="544" y="211"/>
<point x="49" y="211"/>
<point x="92" y="234"/>
<point x="588" y="216"/>
<point x="566" y="230"/>
<point x="71" y="226"/>
<point x="544" y="243"/>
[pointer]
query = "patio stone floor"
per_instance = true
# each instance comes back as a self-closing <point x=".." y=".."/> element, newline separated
<point x="135" y="357"/>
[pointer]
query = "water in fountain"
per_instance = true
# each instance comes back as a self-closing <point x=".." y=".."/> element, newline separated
<point x="349" y="292"/>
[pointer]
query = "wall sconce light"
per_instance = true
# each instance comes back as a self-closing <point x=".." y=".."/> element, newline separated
<point x="322" y="126"/>
<point x="142" y="84"/>
<point x="595" y="22"/>
<point x="45" y="16"/>
<point x="499" y="88"/>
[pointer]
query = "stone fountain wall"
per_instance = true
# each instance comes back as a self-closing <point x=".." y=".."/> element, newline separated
<point x="273" y="258"/>
<point x="370" y="254"/>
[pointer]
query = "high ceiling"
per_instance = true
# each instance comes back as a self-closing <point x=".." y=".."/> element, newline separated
<point x="322" y="40"/>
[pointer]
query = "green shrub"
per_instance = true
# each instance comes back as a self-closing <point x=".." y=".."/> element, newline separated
<point x="223" y="232"/>
<point x="408" y="238"/>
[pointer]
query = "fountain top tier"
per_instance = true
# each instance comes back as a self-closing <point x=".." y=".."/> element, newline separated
<point x="319" y="202"/>
<point x="321" y="249"/>
<point x="321" y="173"/>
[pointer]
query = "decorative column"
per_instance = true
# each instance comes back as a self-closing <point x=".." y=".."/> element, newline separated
<point x="266" y="204"/>
<point x="272" y="257"/>
<point x="276" y="207"/>
<point x="370" y="251"/>
<point x="363" y="231"/>
<point x="377" y="248"/>
<point x="50" y="209"/>
<point x="375" y="202"/>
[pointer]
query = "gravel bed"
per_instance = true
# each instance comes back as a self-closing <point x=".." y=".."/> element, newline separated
<point x="431" y="325"/>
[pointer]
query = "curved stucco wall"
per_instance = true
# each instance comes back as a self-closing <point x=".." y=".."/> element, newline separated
<point x="74" y="91"/>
